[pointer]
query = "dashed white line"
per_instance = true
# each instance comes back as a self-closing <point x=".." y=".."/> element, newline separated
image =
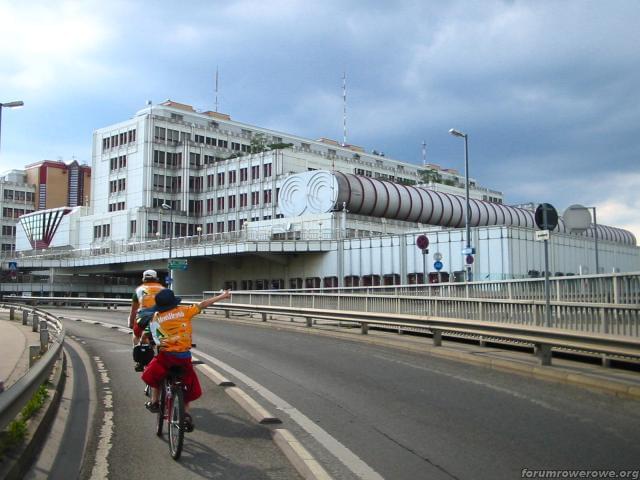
<point x="101" y="465"/>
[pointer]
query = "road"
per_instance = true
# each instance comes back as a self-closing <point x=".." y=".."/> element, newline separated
<point x="366" y="411"/>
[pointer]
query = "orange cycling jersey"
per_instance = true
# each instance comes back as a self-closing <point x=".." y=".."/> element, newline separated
<point x="146" y="293"/>
<point x="171" y="330"/>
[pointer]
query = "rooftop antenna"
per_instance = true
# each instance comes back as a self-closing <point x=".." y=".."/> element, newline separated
<point x="216" y="89"/>
<point x="424" y="154"/>
<point x="344" y="109"/>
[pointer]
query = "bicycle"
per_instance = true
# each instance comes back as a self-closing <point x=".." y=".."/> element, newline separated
<point x="172" y="410"/>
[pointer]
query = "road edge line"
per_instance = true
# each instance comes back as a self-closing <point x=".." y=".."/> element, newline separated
<point x="253" y="408"/>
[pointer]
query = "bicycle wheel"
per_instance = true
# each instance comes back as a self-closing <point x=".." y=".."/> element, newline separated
<point x="176" y="422"/>
<point x="161" y="412"/>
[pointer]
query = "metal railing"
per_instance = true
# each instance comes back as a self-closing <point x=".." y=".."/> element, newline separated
<point x="14" y="398"/>
<point x="611" y="288"/>
<point x="604" y="329"/>
<point x="605" y="318"/>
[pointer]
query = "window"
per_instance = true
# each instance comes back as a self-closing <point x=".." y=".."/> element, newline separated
<point x="132" y="224"/>
<point x="199" y="138"/>
<point x="132" y="135"/>
<point x="235" y="146"/>
<point x="210" y="181"/>
<point x="232" y="177"/>
<point x="160" y="133"/>
<point x="211" y="141"/>
<point x="220" y="204"/>
<point x="243" y="200"/>
<point x="220" y="179"/>
<point x="267" y="170"/>
<point x="231" y="201"/>
<point x="243" y="175"/>
<point x="231" y="226"/>
<point x="159" y="157"/>
<point x="152" y="227"/>
<point x="255" y="198"/>
<point x="194" y="159"/>
<point x="267" y="196"/>
<point x="209" y="205"/>
<point x="255" y="172"/>
<point x="209" y="228"/>
<point x="219" y="227"/>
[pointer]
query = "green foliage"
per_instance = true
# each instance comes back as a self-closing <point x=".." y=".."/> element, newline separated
<point x="279" y="146"/>
<point x="16" y="432"/>
<point x="430" y="175"/>
<point x="258" y="143"/>
<point x="35" y="403"/>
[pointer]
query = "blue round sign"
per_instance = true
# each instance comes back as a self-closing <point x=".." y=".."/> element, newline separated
<point x="438" y="265"/>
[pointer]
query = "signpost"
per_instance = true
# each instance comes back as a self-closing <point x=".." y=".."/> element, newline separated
<point x="546" y="218"/>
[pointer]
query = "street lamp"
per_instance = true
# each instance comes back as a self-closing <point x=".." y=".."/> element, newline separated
<point x="199" y="230"/>
<point x="15" y="104"/>
<point x="170" y="208"/>
<point x="468" y="249"/>
<point x="595" y="238"/>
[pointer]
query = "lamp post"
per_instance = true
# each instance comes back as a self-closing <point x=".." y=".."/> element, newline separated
<point x="199" y="230"/>
<point x="170" y="208"/>
<point x="595" y="238"/>
<point x="15" y="104"/>
<point x="468" y="249"/>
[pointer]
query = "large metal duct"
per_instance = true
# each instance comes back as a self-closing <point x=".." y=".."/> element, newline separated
<point x="321" y="191"/>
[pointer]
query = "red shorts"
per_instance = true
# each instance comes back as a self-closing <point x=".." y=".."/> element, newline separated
<point x="157" y="370"/>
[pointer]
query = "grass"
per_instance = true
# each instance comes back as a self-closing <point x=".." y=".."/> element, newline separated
<point x="16" y="432"/>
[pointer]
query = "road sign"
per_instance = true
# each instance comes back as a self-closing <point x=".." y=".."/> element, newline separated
<point x="422" y="242"/>
<point x="469" y="259"/>
<point x="468" y="251"/>
<point x="543" y="235"/>
<point x="178" y="264"/>
<point x="438" y="265"/>
<point x="577" y="218"/>
<point x="546" y="217"/>
<point x="13" y="266"/>
<point x="437" y="256"/>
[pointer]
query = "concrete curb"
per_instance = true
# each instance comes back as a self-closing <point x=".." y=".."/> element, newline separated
<point x="17" y="462"/>
<point x="300" y="458"/>
<point x="252" y="407"/>
<point x="551" y="374"/>
<point x="215" y="376"/>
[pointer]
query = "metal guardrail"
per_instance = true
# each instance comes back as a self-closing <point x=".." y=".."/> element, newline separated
<point x="516" y="326"/>
<point x="603" y="318"/>
<point x="613" y="288"/>
<point x="542" y="338"/>
<point x="14" y="398"/>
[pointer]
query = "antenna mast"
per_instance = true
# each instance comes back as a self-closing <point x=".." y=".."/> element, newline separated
<point x="344" y="109"/>
<point x="216" y="88"/>
<point x="424" y="153"/>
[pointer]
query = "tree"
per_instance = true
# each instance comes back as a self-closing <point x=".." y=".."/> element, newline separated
<point x="430" y="175"/>
<point x="258" y="143"/>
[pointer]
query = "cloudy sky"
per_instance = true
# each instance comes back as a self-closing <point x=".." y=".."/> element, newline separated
<point x="548" y="91"/>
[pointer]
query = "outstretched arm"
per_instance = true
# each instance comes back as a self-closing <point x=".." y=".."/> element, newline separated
<point x="210" y="301"/>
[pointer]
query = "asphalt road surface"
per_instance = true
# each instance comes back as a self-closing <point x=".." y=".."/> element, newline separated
<point x="366" y="411"/>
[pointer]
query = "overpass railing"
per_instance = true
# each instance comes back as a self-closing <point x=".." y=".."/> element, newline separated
<point x="612" y="288"/>
<point x="604" y="318"/>
<point x="14" y="398"/>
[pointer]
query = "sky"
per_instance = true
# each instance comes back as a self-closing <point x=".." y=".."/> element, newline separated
<point x="547" y="90"/>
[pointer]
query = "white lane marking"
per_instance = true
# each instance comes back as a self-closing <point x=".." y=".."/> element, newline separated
<point x="346" y="456"/>
<point x="101" y="465"/>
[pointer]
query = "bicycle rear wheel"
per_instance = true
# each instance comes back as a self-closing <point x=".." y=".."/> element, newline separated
<point x="176" y="423"/>
<point x="161" y="412"/>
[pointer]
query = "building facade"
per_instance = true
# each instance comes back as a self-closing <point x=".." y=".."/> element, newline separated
<point x="59" y="184"/>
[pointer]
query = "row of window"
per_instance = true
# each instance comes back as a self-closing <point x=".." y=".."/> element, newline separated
<point x="9" y="230"/>
<point x="19" y="195"/>
<point x="119" y="139"/>
<point x="115" y="207"/>
<point x="383" y="176"/>
<point x="118" y="162"/>
<point x="119" y="185"/>
<point x="101" y="231"/>
<point x="8" y="212"/>
<point x="332" y="281"/>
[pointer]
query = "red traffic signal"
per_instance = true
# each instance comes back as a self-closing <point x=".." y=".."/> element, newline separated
<point x="469" y="259"/>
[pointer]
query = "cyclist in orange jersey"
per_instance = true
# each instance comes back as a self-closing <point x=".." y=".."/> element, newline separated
<point x="142" y="303"/>
<point x="171" y="330"/>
